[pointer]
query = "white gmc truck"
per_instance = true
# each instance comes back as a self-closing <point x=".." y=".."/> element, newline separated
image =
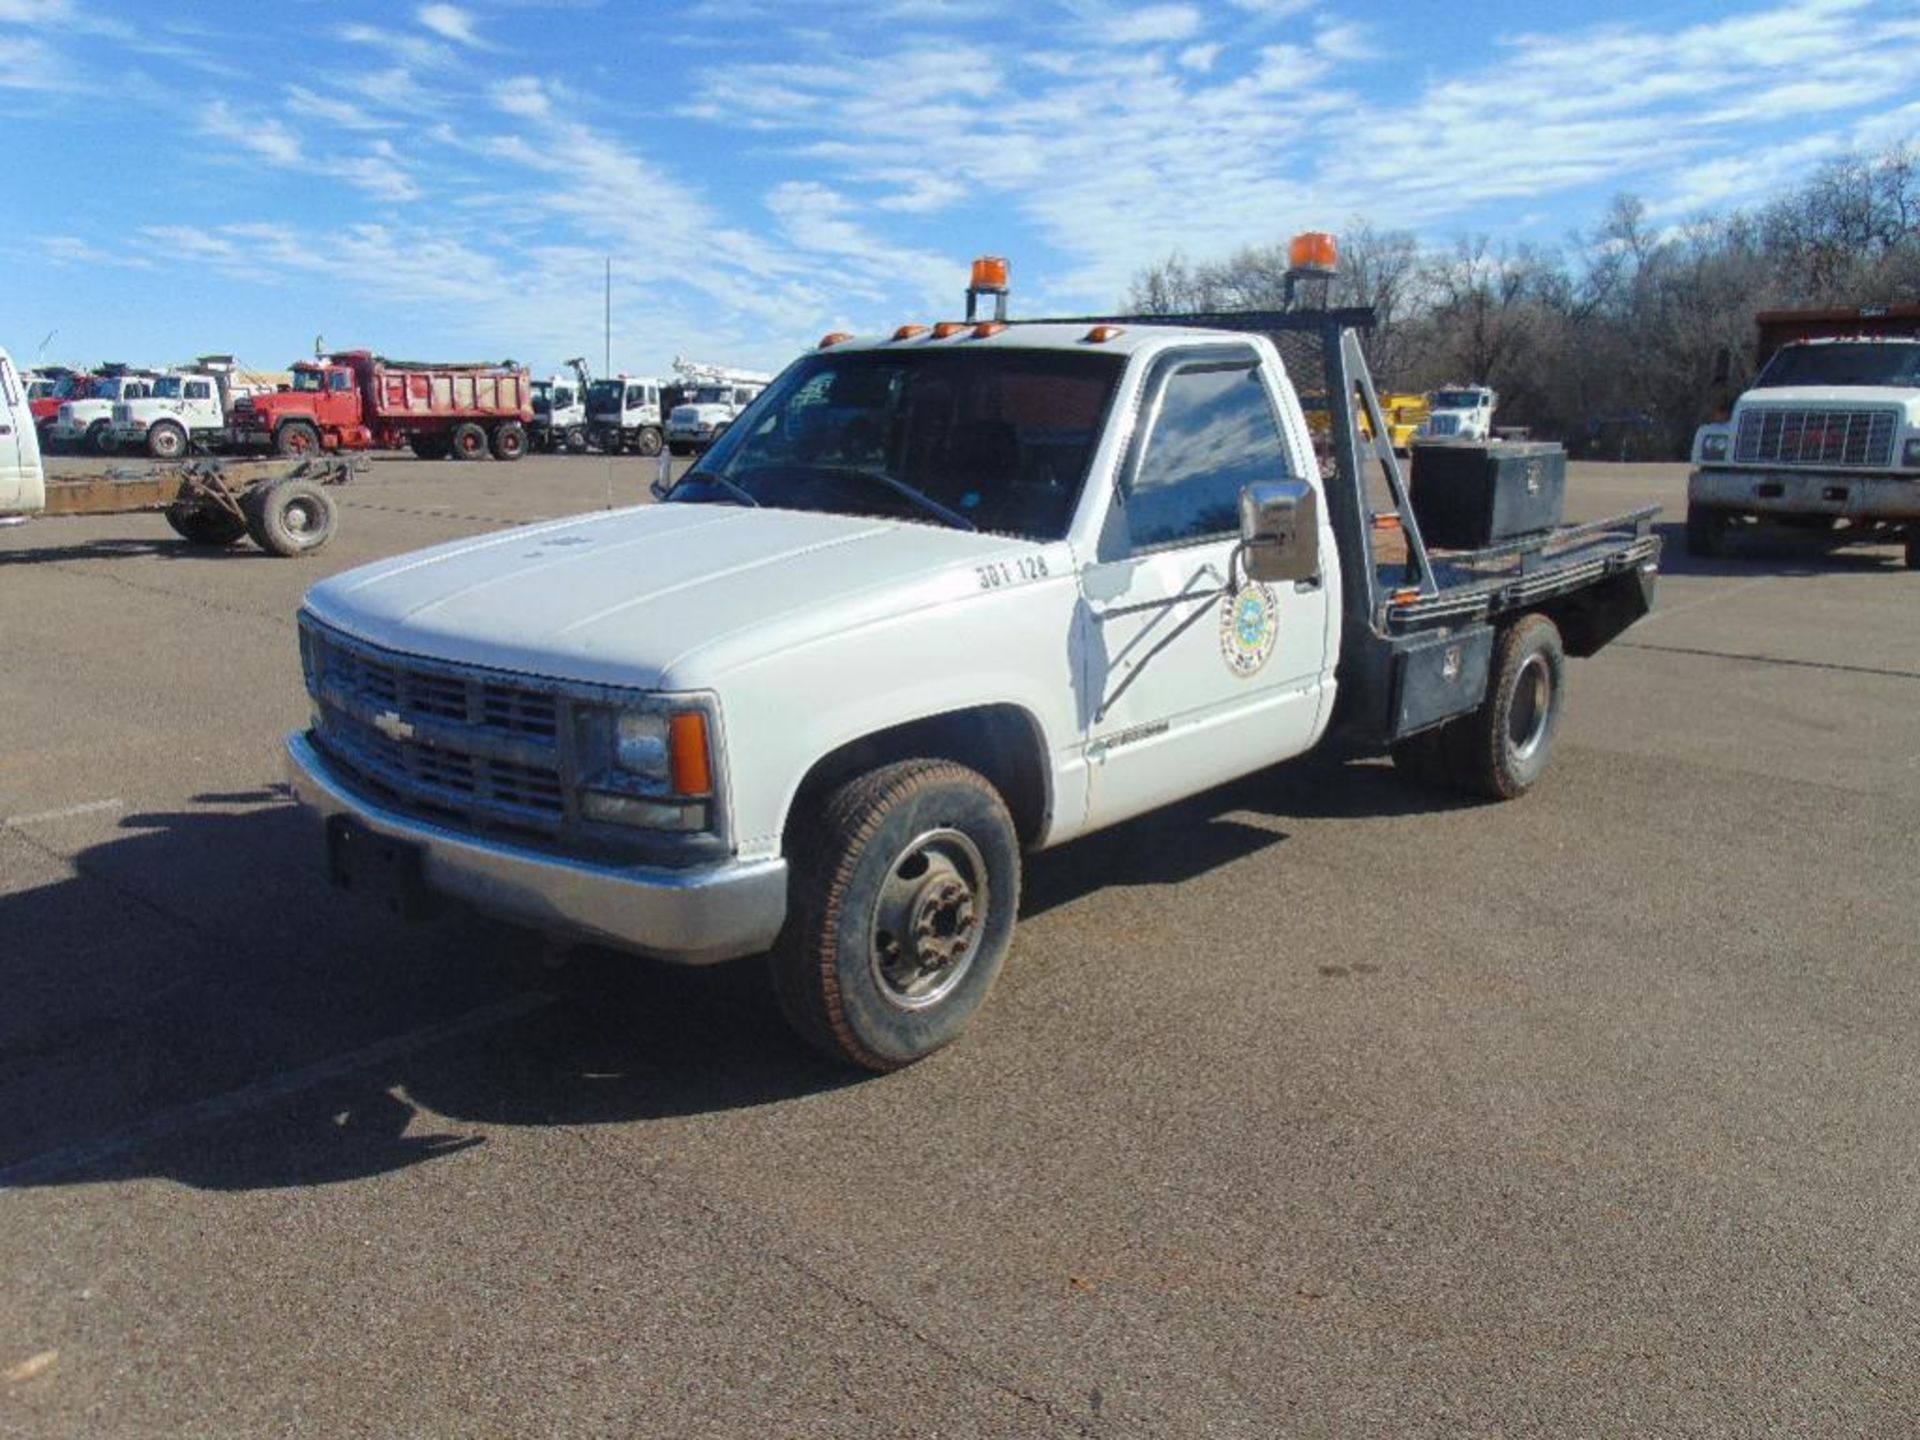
<point x="935" y="600"/>
<point x="1827" y="439"/>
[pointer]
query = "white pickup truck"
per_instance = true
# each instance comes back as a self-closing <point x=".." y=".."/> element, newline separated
<point x="935" y="600"/>
<point x="22" y="481"/>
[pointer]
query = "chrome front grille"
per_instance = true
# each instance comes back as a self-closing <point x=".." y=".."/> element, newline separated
<point x="1829" y="438"/>
<point x="458" y="745"/>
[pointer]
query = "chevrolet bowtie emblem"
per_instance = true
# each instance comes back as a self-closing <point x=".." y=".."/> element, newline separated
<point x="389" y="724"/>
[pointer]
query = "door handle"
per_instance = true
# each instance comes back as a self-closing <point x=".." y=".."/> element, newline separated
<point x="6" y="429"/>
<point x="1306" y="586"/>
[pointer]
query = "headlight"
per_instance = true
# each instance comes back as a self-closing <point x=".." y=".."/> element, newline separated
<point x="640" y="743"/>
<point x="648" y="765"/>
<point x="1910" y="453"/>
<point x="1714" y="447"/>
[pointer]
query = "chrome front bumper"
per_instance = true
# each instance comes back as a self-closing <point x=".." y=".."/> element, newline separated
<point x="693" y="917"/>
<point x="1780" y="492"/>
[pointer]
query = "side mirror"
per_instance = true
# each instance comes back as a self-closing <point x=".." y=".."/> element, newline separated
<point x="1280" y="530"/>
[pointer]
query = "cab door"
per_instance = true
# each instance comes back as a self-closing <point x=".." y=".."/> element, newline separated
<point x="21" y="486"/>
<point x="1195" y="674"/>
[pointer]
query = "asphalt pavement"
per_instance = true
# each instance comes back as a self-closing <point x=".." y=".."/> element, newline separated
<point x="1319" y="1105"/>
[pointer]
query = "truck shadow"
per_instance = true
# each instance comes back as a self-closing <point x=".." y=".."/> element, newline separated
<point x="195" y="1004"/>
<point x="159" y="548"/>
<point x="1772" y="551"/>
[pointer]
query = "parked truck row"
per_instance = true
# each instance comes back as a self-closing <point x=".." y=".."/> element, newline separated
<point x="355" y="400"/>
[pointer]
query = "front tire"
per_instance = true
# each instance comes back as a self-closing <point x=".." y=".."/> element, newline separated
<point x="649" y="441"/>
<point x="100" y="439"/>
<point x="166" y="441"/>
<point x="576" y="441"/>
<point x="904" y="899"/>
<point x="297" y="439"/>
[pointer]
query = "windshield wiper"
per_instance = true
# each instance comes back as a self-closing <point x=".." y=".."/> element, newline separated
<point x="710" y="477"/>
<point x="919" y="497"/>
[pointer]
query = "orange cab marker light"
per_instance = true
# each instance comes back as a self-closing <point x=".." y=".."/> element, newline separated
<point x="946" y="329"/>
<point x="828" y="341"/>
<point x="691" y="760"/>
<point x="990" y="273"/>
<point x="1386" y="522"/>
<point x="987" y="329"/>
<point x="1315" y="252"/>
<point x="1405" y="597"/>
<point x="1100" y="334"/>
<point x="908" y="332"/>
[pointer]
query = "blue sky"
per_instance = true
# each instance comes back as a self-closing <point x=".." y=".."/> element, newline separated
<point x="443" y="180"/>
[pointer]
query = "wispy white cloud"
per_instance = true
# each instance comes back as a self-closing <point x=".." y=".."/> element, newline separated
<point x="1155" y="23"/>
<point x="377" y="168"/>
<point x="450" y="22"/>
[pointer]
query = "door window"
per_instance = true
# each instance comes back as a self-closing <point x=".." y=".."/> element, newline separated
<point x="636" y="396"/>
<point x="339" y="380"/>
<point x="199" y="390"/>
<point x="1214" y="432"/>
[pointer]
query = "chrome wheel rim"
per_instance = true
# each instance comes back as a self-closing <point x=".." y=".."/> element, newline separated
<point x="1532" y="706"/>
<point x="928" y="920"/>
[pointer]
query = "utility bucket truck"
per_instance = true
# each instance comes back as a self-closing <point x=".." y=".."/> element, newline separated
<point x="937" y="598"/>
<point x="712" y="397"/>
<point x="1827" y="439"/>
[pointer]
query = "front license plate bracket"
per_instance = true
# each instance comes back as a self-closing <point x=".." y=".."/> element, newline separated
<point x="391" y="873"/>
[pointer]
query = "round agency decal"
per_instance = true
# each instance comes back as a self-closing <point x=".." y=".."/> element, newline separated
<point x="1249" y="624"/>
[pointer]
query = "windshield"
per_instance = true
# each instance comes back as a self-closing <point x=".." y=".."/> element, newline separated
<point x="1456" y="399"/>
<point x="1001" y="439"/>
<point x="604" y="394"/>
<point x="708" y="395"/>
<point x="308" y="382"/>
<point x="167" y="387"/>
<point x="67" y="387"/>
<point x="1864" y="363"/>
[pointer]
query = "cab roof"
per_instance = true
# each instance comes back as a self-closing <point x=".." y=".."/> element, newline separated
<point x="1069" y="335"/>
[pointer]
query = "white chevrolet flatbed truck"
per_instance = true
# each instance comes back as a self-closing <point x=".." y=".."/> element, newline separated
<point x="936" y="600"/>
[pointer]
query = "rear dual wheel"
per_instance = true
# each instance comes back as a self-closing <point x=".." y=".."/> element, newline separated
<point x="906" y="883"/>
<point x="290" y="518"/>
<point x="510" y="441"/>
<point x="467" y="441"/>
<point x="201" y="524"/>
<point x="1500" y="750"/>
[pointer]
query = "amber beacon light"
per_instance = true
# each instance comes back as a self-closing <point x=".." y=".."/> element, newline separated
<point x="1313" y="253"/>
<point x="989" y="278"/>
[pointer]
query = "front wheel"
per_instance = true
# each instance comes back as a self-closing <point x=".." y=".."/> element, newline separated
<point x="904" y="900"/>
<point x="100" y="439"/>
<point x="576" y="440"/>
<point x="648" y="442"/>
<point x="166" y="441"/>
<point x="297" y="439"/>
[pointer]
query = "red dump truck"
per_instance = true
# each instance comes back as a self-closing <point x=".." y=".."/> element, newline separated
<point x="356" y="400"/>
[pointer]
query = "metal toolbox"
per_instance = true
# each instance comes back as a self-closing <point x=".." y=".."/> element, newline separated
<point x="1467" y="496"/>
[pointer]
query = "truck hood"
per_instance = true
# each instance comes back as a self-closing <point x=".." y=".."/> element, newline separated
<point x="1841" y="396"/>
<point x="660" y="596"/>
